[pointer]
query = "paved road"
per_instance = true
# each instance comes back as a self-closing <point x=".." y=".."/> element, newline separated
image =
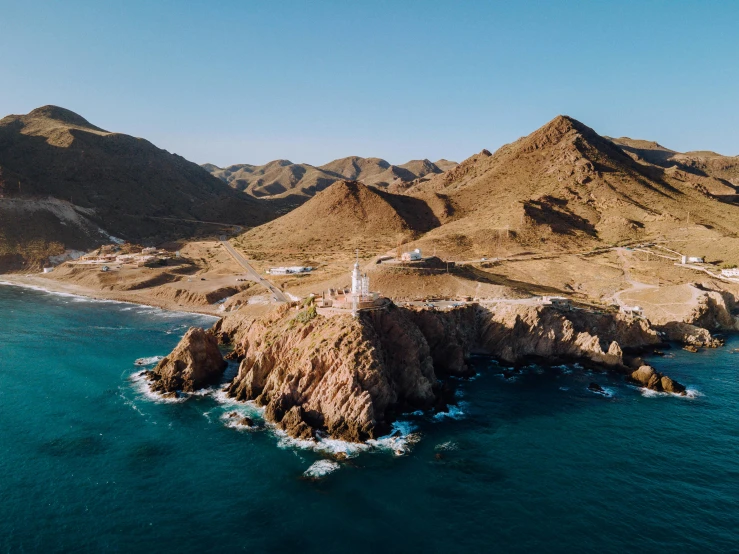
<point x="276" y="293"/>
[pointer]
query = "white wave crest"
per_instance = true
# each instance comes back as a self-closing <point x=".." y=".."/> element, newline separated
<point x="690" y="394"/>
<point x="321" y="468"/>
<point x="453" y="412"/>
<point x="607" y="392"/>
<point x="151" y="360"/>
<point x="400" y="440"/>
<point x="141" y="384"/>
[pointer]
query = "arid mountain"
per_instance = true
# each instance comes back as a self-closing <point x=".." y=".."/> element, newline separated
<point x="282" y="178"/>
<point x="349" y="215"/>
<point x="564" y="187"/>
<point x="445" y="165"/>
<point x="277" y="178"/>
<point x="720" y="174"/>
<point x="67" y="184"/>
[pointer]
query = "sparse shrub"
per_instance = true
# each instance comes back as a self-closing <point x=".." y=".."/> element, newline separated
<point x="306" y="315"/>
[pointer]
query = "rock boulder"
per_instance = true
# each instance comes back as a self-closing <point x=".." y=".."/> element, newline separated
<point x="195" y="363"/>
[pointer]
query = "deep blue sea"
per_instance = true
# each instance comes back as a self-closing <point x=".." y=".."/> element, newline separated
<point x="88" y="463"/>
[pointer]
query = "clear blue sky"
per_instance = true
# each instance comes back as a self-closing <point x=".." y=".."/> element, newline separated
<point x="251" y="81"/>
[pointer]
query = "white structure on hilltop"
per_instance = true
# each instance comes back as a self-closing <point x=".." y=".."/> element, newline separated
<point x="356" y="287"/>
<point x="360" y="283"/>
<point x="691" y="260"/>
<point x="557" y="301"/>
<point x="731" y="272"/>
<point x="412" y="256"/>
<point x="357" y="298"/>
<point x="360" y="289"/>
<point x="632" y="310"/>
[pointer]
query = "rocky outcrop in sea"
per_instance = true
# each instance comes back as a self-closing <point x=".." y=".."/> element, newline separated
<point x="195" y="363"/>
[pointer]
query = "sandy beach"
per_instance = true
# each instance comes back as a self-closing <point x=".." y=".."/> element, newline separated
<point x="145" y="297"/>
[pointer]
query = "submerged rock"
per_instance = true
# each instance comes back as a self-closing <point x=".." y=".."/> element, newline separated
<point x="595" y="387"/>
<point x="195" y="363"/>
<point x="246" y="421"/>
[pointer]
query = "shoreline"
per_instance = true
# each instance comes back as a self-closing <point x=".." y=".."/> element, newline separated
<point x="33" y="281"/>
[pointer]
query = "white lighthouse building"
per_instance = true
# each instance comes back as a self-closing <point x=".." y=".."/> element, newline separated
<point x="356" y="280"/>
<point x="358" y="298"/>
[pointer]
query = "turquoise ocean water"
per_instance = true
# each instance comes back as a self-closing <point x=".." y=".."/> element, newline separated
<point x="88" y="463"/>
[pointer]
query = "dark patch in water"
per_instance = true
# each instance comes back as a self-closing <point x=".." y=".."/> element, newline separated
<point x="74" y="446"/>
<point x="148" y="452"/>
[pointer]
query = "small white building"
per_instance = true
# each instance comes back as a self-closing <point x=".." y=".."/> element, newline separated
<point x="149" y="250"/>
<point x="691" y="260"/>
<point x="48" y="269"/>
<point x="632" y="310"/>
<point x="412" y="256"/>
<point x="732" y="272"/>
<point x="289" y="270"/>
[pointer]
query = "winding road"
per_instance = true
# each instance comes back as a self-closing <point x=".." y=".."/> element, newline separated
<point x="635" y="285"/>
<point x="279" y="296"/>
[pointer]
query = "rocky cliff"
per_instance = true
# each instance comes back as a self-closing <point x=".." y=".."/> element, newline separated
<point x="689" y="312"/>
<point x="195" y="363"/>
<point x="350" y="377"/>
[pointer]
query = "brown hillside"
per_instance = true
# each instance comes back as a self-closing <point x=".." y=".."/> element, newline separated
<point x="563" y="187"/>
<point x="345" y="216"/>
<point x="445" y="165"/>
<point x="718" y="174"/>
<point x="110" y="180"/>
<point x="355" y="168"/>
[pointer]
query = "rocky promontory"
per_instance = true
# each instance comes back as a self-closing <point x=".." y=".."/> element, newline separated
<point x="350" y="378"/>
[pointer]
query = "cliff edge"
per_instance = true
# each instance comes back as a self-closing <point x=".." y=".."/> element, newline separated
<point x="349" y="378"/>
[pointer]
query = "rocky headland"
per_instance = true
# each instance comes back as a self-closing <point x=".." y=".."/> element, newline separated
<point x="350" y="378"/>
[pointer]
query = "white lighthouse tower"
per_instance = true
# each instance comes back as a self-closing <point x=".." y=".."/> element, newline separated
<point x="356" y="287"/>
<point x="356" y="281"/>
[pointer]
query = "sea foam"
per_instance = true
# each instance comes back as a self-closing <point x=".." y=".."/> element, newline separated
<point x="320" y="469"/>
<point x="452" y="412"/>
<point x="141" y="384"/>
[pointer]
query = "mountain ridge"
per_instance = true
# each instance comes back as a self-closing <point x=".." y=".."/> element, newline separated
<point x="118" y="184"/>
<point x="282" y="178"/>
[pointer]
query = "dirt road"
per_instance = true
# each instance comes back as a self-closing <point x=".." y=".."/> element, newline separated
<point x="278" y="295"/>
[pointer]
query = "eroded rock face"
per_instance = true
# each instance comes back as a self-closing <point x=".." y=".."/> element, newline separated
<point x="713" y="311"/>
<point x="350" y="377"/>
<point x="195" y="363"/>
<point x="340" y="374"/>
<point x="513" y="332"/>
<point x="648" y="377"/>
<point x="691" y="335"/>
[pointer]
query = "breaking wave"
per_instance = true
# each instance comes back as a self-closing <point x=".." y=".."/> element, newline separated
<point x="320" y="469"/>
<point x="148" y="361"/>
<point x="452" y="412"/>
<point x="141" y="384"/>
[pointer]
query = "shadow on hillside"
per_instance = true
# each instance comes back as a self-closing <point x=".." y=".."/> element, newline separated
<point x="416" y="212"/>
<point x="554" y="213"/>
<point x="478" y="275"/>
